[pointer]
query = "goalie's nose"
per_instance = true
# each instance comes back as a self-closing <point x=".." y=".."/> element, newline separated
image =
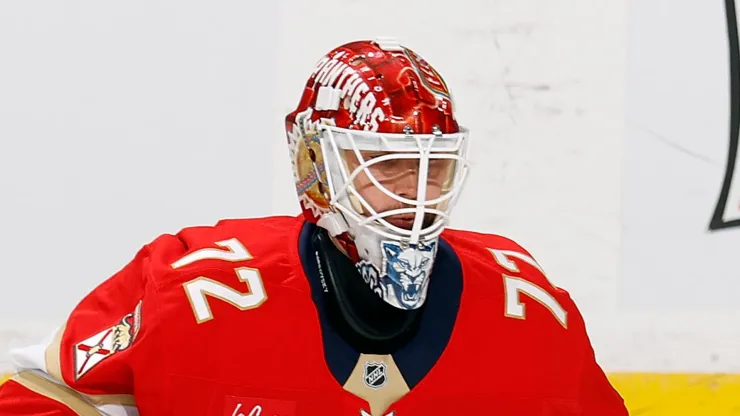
<point x="407" y="185"/>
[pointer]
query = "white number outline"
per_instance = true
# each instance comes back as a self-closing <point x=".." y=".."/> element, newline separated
<point x="515" y="286"/>
<point x="199" y="289"/>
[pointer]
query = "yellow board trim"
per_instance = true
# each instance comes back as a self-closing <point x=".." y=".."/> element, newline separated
<point x="651" y="394"/>
<point x="679" y="394"/>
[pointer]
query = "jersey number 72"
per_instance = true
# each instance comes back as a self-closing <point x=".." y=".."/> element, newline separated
<point x="201" y="287"/>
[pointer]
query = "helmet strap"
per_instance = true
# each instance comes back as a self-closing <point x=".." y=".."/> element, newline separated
<point x="364" y="320"/>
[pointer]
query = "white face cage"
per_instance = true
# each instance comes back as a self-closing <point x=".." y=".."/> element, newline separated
<point x="358" y="213"/>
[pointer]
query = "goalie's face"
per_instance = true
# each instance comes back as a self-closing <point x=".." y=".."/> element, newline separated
<point x="398" y="178"/>
<point x="398" y="186"/>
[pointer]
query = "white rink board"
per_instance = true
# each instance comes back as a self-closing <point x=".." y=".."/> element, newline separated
<point x="679" y="277"/>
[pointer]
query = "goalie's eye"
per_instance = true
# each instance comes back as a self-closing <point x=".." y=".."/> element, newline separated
<point x="372" y="155"/>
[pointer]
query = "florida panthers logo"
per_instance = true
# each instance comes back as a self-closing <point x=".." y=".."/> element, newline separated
<point x="406" y="272"/>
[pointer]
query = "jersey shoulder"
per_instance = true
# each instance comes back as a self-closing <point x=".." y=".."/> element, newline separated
<point x="507" y="273"/>
<point x="536" y="332"/>
<point x="507" y="289"/>
<point x="498" y="254"/>
<point x="218" y="249"/>
<point x="234" y="266"/>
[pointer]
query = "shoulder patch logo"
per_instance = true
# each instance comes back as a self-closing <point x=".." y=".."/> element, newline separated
<point x="119" y="337"/>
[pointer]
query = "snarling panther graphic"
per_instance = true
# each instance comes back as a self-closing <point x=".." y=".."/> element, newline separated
<point x="407" y="271"/>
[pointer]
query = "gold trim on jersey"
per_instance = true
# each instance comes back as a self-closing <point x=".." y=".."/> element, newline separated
<point x="56" y="392"/>
<point x="114" y="399"/>
<point x="82" y="404"/>
<point x="52" y="355"/>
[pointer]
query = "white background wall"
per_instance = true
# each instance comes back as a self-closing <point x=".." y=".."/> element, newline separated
<point x="121" y="121"/>
<point x="679" y="282"/>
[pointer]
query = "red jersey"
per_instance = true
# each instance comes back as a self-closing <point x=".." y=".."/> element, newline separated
<point x="220" y="321"/>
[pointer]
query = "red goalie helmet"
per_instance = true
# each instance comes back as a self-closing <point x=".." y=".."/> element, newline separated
<point x="378" y="156"/>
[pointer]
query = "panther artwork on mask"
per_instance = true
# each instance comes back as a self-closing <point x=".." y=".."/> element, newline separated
<point x="407" y="271"/>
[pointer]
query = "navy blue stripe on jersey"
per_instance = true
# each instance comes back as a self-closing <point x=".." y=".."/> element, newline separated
<point x="416" y="358"/>
<point x="340" y="357"/>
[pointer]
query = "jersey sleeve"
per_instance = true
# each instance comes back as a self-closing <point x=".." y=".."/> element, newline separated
<point x="86" y="366"/>
<point x="598" y="396"/>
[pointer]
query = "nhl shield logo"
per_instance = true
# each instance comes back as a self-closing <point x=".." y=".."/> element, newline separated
<point x="375" y="374"/>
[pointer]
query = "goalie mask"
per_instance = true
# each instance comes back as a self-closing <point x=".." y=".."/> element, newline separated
<point x="379" y="161"/>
